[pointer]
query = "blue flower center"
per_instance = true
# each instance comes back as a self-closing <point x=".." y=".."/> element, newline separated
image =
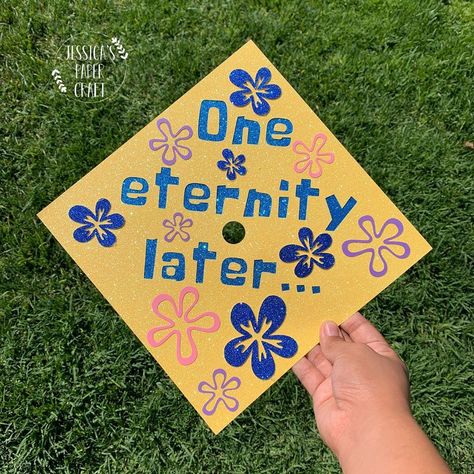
<point x="253" y="92"/>
<point x="309" y="254"/>
<point x="95" y="225"/>
<point x="257" y="337"/>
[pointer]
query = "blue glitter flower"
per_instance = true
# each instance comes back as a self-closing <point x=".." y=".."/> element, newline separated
<point x="231" y="164"/>
<point x="97" y="225"/>
<point x="310" y="253"/>
<point x="258" y="339"/>
<point x="256" y="92"/>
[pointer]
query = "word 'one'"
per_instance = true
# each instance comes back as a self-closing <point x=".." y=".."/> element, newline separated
<point x="276" y="129"/>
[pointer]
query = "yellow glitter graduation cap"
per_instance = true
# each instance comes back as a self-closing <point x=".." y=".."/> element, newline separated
<point x="150" y="227"/>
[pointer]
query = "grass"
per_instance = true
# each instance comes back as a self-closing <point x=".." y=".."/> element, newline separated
<point x="392" y="79"/>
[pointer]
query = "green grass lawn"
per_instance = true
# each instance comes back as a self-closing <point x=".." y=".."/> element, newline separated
<point x="392" y="79"/>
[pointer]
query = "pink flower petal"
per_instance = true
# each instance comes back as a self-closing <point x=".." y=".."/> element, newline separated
<point x="302" y="165"/>
<point x="209" y="322"/>
<point x="163" y="336"/>
<point x="315" y="169"/>
<point x="186" y="349"/>
<point x="191" y="294"/>
<point x="313" y="156"/>
<point x="301" y="149"/>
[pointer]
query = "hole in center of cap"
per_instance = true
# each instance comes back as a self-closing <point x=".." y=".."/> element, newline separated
<point x="233" y="232"/>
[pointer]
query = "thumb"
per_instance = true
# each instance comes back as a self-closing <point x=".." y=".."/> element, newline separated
<point x="331" y="340"/>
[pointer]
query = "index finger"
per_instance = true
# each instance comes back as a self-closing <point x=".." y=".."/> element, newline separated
<point x="308" y="374"/>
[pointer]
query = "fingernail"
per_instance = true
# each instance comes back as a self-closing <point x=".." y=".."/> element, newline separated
<point x="331" y="329"/>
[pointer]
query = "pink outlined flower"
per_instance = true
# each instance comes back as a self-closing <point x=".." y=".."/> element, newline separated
<point x="313" y="156"/>
<point x="177" y="225"/>
<point x="378" y="243"/>
<point x="177" y="321"/>
<point x="170" y="143"/>
<point x="218" y="390"/>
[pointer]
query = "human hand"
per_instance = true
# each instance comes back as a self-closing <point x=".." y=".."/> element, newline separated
<point x="352" y="375"/>
<point x="360" y="393"/>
